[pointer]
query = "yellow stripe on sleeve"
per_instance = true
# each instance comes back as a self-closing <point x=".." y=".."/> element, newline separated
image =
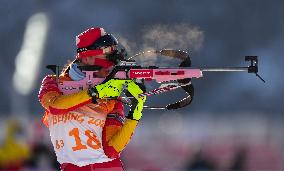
<point x="123" y="136"/>
<point x="56" y="100"/>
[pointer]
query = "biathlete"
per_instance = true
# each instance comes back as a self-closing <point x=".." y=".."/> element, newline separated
<point x="88" y="129"/>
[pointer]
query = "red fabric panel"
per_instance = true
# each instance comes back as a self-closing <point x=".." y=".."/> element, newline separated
<point x="88" y="37"/>
<point x="109" y="150"/>
<point x="48" y="84"/>
<point x="114" y="165"/>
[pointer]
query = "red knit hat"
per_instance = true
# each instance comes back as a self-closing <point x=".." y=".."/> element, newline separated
<point x="94" y="41"/>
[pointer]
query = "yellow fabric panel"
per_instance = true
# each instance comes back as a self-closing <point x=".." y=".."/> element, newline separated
<point x="58" y="101"/>
<point x="123" y="135"/>
<point x="111" y="130"/>
<point x="46" y="99"/>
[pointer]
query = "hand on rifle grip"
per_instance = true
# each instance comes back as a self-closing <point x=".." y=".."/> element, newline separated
<point x="137" y="103"/>
<point x="111" y="88"/>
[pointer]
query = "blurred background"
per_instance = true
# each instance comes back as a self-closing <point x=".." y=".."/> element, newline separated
<point x="235" y="121"/>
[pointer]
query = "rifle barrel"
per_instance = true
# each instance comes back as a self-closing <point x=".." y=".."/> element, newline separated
<point x="155" y="108"/>
<point x="232" y="69"/>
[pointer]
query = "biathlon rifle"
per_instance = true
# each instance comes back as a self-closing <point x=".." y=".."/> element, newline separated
<point x="169" y="78"/>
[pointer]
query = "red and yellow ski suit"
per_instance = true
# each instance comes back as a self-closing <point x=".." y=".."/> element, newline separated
<point x="85" y="136"/>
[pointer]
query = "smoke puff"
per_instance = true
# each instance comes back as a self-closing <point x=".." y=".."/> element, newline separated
<point x="180" y="36"/>
<point x="162" y="36"/>
<point x="128" y="45"/>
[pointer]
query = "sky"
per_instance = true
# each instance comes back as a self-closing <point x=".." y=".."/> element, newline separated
<point x="215" y="33"/>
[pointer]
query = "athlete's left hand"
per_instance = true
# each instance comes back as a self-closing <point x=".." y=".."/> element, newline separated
<point x="134" y="89"/>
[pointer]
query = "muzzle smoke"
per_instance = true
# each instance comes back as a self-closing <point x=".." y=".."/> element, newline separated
<point x="180" y="36"/>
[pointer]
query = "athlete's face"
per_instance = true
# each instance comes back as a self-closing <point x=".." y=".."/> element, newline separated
<point x="92" y="61"/>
